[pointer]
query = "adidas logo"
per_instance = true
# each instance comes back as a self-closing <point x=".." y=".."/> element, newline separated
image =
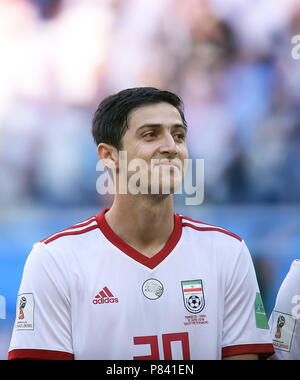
<point x="105" y="296"/>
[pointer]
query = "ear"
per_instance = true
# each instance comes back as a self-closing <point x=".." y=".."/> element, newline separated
<point x="108" y="155"/>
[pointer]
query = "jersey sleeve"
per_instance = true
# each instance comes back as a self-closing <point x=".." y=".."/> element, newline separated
<point x="284" y="320"/>
<point x="245" y="325"/>
<point x="42" y="328"/>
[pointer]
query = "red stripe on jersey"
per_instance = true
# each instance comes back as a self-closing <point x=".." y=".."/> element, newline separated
<point x="39" y="355"/>
<point x="70" y="233"/>
<point x="79" y="225"/>
<point x="212" y="229"/>
<point x="108" y="292"/>
<point x="198" y="221"/>
<point x="263" y="350"/>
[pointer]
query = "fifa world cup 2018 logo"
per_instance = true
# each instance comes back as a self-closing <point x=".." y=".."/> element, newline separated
<point x="280" y="324"/>
<point x="22" y="305"/>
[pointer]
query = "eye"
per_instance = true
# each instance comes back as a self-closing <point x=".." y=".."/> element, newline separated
<point x="149" y="134"/>
<point x="180" y="136"/>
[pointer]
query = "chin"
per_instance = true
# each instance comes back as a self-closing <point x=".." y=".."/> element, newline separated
<point x="165" y="187"/>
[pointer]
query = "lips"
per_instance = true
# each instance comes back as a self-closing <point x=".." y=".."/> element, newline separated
<point x="167" y="163"/>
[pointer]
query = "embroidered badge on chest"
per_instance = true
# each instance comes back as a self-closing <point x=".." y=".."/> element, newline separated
<point x="193" y="295"/>
<point x="152" y="289"/>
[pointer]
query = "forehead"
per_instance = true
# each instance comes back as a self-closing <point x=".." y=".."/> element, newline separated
<point x="157" y="113"/>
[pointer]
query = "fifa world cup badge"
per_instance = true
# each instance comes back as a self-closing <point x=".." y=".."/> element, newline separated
<point x="283" y="327"/>
<point x="25" y="312"/>
<point x="193" y="295"/>
<point x="22" y="305"/>
<point x="280" y="324"/>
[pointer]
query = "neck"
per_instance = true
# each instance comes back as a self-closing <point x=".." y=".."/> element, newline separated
<point x="144" y="222"/>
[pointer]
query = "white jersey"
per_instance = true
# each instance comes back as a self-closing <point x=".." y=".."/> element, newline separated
<point x="86" y="294"/>
<point x="284" y="320"/>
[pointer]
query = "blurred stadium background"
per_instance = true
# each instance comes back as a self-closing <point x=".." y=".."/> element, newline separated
<point x="231" y="63"/>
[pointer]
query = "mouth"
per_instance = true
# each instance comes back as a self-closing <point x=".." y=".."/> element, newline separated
<point x="167" y="164"/>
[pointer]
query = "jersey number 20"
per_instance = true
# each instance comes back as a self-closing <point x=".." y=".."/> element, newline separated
<point x="167" y="339"/>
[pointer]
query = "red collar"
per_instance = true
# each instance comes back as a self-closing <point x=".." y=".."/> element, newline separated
<point x="151" y="262"/>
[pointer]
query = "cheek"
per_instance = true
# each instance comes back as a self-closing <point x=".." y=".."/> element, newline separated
<point x="135" y="152"/>
<point x="183" y="152"/>
<point x="143" y="151"/>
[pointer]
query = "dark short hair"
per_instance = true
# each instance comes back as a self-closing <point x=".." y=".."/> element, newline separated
<point x="110" y="119"/>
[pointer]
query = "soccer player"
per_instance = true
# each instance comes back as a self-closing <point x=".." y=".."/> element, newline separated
<point x="139" y="281"/>
<point x="284" y="320"/>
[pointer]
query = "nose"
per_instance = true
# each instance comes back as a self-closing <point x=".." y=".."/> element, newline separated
<point x="168" y="145"/>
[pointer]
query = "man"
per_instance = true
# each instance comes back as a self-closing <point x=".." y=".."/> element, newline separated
<point x="284" y="320"/>
<point x="139" y="281"/>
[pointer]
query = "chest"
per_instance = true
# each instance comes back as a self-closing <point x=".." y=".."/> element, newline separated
<point x="171" y="303"/>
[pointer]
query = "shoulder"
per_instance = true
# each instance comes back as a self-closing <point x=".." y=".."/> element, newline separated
<point x="73" y="234"/>
<point x="287" y="300"/>
<point x="228" y="248"/>
<point x="291" y="283"/>
<point x="220" y="232"/>
<point x="293" y="276"/>
<point x="58" y="249"/>
<point x="295" y="267"/>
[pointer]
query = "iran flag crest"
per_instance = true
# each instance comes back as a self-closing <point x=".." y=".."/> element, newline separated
<point x="193" y="295"/>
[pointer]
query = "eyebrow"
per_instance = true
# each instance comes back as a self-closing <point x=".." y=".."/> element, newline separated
<point x="150" y="125"/>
